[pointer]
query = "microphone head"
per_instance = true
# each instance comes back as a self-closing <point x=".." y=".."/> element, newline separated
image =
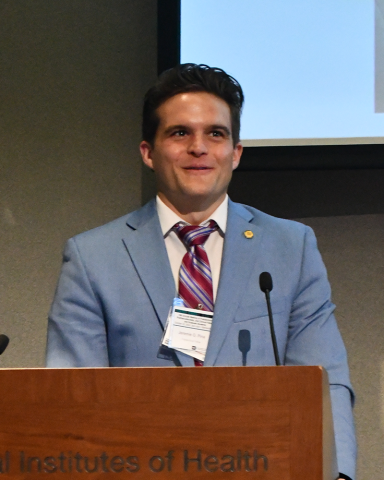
<point x="4" y="340"/>
<point x="244" y="341"/>
<point x="265" y="281"/>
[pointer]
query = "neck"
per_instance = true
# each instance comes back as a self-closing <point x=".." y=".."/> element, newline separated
<point x="192" y="211"/>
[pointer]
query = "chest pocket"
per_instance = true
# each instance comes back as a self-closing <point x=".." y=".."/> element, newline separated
<point x="259" y="309"/>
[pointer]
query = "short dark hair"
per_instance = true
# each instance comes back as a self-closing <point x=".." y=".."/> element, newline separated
<point x="190" y="77"/>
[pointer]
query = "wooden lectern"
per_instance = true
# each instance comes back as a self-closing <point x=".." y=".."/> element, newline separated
<point x="177" y="423"/>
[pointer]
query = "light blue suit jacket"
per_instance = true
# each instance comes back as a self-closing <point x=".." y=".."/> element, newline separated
<point x="116" y="288"/>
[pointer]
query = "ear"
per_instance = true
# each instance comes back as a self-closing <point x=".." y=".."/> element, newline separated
<point x="237" y="152"/>
<point x="146" y="154"/>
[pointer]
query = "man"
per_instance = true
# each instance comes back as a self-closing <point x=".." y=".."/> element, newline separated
<point x="119" y="280"/>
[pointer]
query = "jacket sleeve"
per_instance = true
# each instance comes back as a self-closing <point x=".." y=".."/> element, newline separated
<point x="314" y="339"/>
<point x="77" y="335"/>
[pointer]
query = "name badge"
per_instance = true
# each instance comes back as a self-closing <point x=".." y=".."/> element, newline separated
<point x="187" y="330"/>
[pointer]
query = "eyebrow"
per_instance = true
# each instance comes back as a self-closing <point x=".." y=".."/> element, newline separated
<point x="211" y="127"/>
<point x="175" y="127"/>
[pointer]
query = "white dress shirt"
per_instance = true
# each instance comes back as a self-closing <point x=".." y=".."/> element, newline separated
<point x="176" y="249"/>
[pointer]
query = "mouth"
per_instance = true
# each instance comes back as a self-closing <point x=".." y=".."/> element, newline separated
<point x="197" y="167"/>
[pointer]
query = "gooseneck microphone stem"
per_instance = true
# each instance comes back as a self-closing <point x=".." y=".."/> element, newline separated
<point x="266" y="285"/>
<point x="272" y="328"/>
<point x="244" y="345"/>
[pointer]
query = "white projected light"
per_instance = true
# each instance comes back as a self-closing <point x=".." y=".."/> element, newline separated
<point x="307" y="67"/>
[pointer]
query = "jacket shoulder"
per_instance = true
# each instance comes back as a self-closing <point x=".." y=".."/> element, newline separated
<point x="269" y="222"/>
<point x="104" y="232"/>
<point x="117" y="227"/>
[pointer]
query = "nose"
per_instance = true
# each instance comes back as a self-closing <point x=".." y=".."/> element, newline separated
<point x="197" y="146"/>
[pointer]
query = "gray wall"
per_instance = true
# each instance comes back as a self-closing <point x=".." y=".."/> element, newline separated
<point x="73" y="74"/>
<point x="72" y="77"/>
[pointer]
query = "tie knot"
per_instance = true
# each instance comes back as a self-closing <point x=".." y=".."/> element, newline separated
<point x="192" y="235"/>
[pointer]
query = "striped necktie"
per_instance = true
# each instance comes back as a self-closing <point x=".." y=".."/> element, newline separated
<point x="195" y="278"/>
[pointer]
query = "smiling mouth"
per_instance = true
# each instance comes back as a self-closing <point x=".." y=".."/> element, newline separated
<point x="198" y="168"/>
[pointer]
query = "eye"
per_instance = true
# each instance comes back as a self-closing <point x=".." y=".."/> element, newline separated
<point x="179" y="133"/>
<point x="217" y="133"/>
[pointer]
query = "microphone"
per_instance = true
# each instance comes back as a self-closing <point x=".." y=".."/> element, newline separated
<point x="266" y="285"/>
<point x="244" y="344"/>
<point x="4" y="340"/>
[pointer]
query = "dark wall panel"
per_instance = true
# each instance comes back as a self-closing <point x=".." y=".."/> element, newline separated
<point x="311" y="193"/>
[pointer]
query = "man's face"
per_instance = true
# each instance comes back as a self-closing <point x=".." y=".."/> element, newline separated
<point x="193" y="155"/>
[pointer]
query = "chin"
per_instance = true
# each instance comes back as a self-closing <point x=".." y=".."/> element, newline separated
<point x="197" y="192"/>
<point x="202" y="196"/>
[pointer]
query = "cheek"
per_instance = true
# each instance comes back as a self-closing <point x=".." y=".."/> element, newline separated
<point x="165" y="169"/>
<point x="169" y="158"/>
<point x="227" y="164"/>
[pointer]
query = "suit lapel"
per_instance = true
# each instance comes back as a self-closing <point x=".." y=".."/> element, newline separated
<point x="145" y="245"/>
<point x="239" y="259"/>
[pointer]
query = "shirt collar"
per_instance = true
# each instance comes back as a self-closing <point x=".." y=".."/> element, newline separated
<point x="168" y="218"/>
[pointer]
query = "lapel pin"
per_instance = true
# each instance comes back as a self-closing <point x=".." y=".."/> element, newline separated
<point x="248" y="234"/>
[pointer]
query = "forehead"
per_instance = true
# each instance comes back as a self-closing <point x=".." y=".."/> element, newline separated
<point x="194" y="108"/>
